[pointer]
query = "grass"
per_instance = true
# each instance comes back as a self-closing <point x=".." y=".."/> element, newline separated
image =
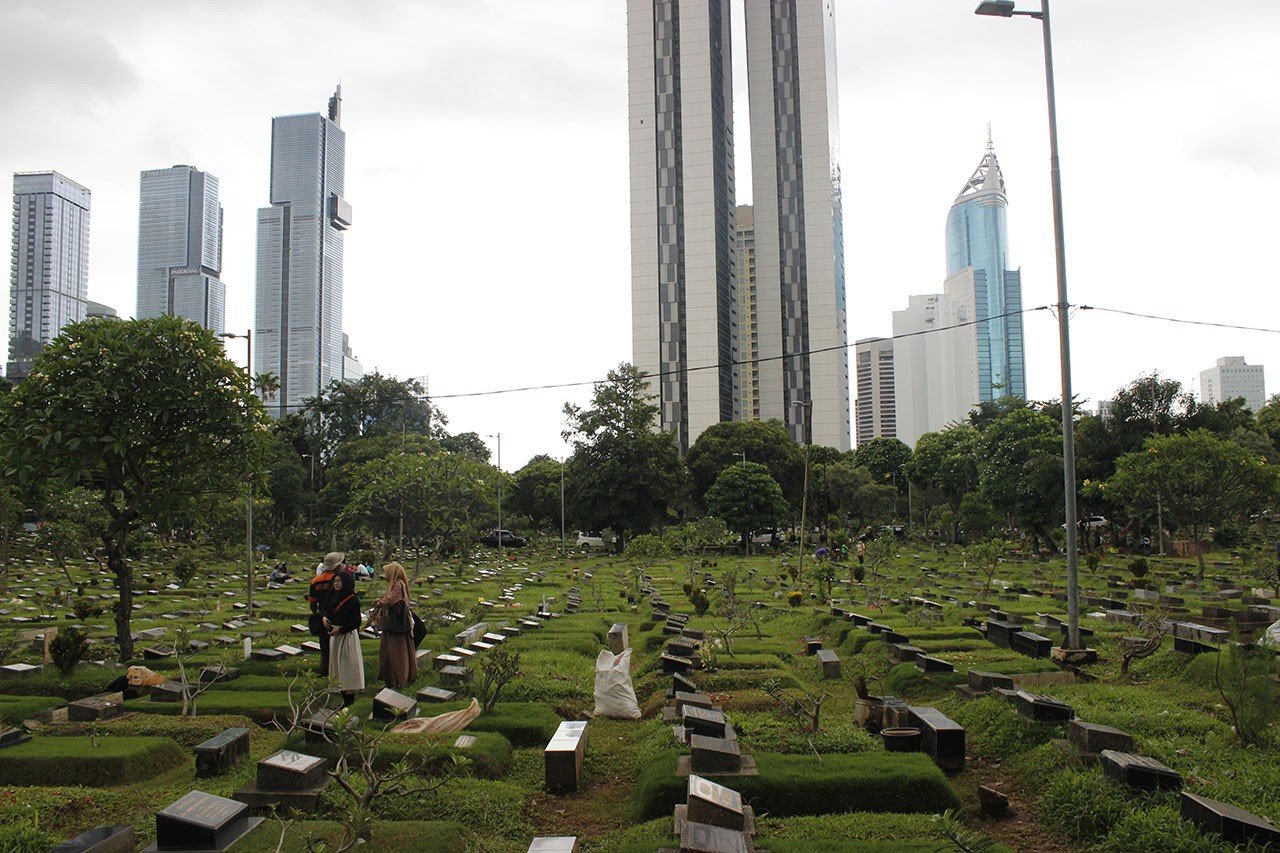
<point x="109" y="761"/>
<point x="15" y="709"/>
<point x="426" y="836"/>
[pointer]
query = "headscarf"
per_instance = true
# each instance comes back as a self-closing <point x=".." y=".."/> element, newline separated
<point x="346" y="586"/>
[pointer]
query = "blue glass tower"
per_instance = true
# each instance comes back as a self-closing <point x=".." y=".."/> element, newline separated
<point x="977" y="237"/>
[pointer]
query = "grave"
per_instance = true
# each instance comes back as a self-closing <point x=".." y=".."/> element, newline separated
<point x="681" y="683"/>
<point x="1091" y="738"/>
<point x="1138" y="771"/>
<point x="13" y="737"/>
<point x="710" y="756"/>
<point x="562" y="757"/>
<point x="925" y="663"/>
<point x="169" y="691"/>
<point x="436" y="694"/>
<point x="1037" y="708"/>
<point x="1031" y="645"/>
<point x="1234" y="824"/>
<point x="904" y="653"/>
<point x="220" y="753"/>
<point x="812" y="645"/>
<point x="104" y="706"/>
<point x="117" y="838"/>
<point x="940" y="736"/>
<point x="554" y="844"/>
<point x="18" y="670"/>
<point x="829" y="663"/>
<point x="287" y="780"/>
<point x="454" y="674"/>
<point x="702" y="721"/>
<point x="320" y="727"/>
<point x="702" y="838"/>
<point x="267" y="655"/>
<point x="713" y="804"/>
<point x="674" y="664"/>
<point x="200" y="821"/>
<point x="1000" y="632"/>
<point x="390" y="706"/>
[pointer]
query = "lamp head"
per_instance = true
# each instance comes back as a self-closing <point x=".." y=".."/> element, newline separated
<point x="995" y="8"/>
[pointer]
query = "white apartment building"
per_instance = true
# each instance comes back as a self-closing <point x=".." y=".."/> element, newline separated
<point x="875" y="411"/>
<point x="1230" y="378"/>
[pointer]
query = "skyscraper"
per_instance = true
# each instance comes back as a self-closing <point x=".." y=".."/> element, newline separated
<point x="683" y="300"/>
<point x="180" y="246"/>
<point x="1232" y="377"/>
<point x="48" y="281"/>
<point x="795" y="151"/>
<point x="687" y="328"/>
<point x="748" y="325"/>
<point x="977" y="250"/>
<point x="298" y="315"/>
<point x="876" y="413"/>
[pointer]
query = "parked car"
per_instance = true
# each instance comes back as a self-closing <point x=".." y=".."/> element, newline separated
<point x="770" y="537"/>
<point x="507" y="538"/>
<point x="1090" y="522"/>
<point x="589" y="540"/>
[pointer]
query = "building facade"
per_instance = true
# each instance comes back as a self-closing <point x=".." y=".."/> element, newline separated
<point x="795" y="167"/>
<point x="683" y="278"/>
<point x="977" y="239"/>
<point x="1230" y="378"/>
<point x="298" y="304"/>
<point x="180" y="247"/>
<point x="748" y="319"/>
<point x="49" y="272"/>
<point x="875" y="411"/>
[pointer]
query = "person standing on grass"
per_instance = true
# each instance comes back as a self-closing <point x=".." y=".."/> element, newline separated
<point x="318" y="596"/>
<point x="342" y="622"/>
<point x="397" y="660"/>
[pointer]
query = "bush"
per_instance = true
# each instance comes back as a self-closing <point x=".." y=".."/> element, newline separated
<point x="114" y="761"/>
<point x="802" y="785"/>
<point x="795" y="597"/>
<point x="68" y="648"/>
<point x="84" y="609"/>
<point x="1138" y="567"/>
<point x="1228" y="535"/>
<point x="184" y="568"/>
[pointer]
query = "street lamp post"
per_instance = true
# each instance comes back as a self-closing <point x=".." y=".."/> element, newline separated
<point x="248" y="506"/>
<point x="562" y="548"/>
<point x="498" y="436"/>
<point x="807" y="407"/>
<point x="1005" y="9"/>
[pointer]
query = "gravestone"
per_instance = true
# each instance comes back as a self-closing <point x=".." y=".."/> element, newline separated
<point x="1030" y="644"/>
<point x="554" y="844"/>
<point x="1139" y="771"/>
<point x="287" y="780"/>
<point x="320" y="726"/>
<point x="1038" y="708"/>
<point x="441" y="661"/>
<point x="702" y="838"/>
<point x="673" y="664"/>
<point x="618" y="640"/>
<point x="220" y="753"/>
<point x="454" y="674"/>
<point x="104" y="706"/>
<point x="13" y="737"/>
<point x="926" y="663"/>
<point x="904" y="652"/>
<point x="200" y="821"/>
<point x="390" y="705"/>
<point x="811" y="645"/>
<point x="267" y="655"/>
<point x="714" y="755"/>
<point x="1091" y="738"/>
<point x="829" y="663"/>
<point x="1000" y="632"/>
<point x="713" y="804"/>
<point x="169" y="691"/>
<point x="1234" y="824"/>
<point x="562" y="757"/>
<point x="18" y="670"/>
<point x="117" y="838"/>
<point x="681" y="683"/>
<point x="940" y="737"/>
<point x="436" y="694"/>
<point x="218" y="672"/>
<point x="702" y="721"/>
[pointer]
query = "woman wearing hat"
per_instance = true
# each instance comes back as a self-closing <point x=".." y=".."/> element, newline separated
<point x="342" y="622"/>
<point x="397" y="660"/>
<point x="318" y="596"/>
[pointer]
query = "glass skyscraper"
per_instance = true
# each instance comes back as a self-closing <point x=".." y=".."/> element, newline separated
<point x="180" y="246"/>
<point x="48" y="280"/>
<point x="977" y="245"/>
<point x="298" y="310"/>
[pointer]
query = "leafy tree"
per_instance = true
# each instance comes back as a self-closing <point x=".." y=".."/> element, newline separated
<point x="1020" y="469"/>
<point x="623" y="475"/>
<point x="693" y="538"/>
<point x="537" y="492"/>
<point x="1202" y="480"/>
<point x="468" y="444"/>
<point x="11" y="512"/>
<point x="885" y="458"/>
<point x="986" y="557"/>
<point x="1268" y="419"/>
<point x="855" y="494"/>
<point x="748" y="499"/>
<point x="286" y="484"/>
<point x="945" y="466"/>
<point x="340" y="470"/>
<point x="765" y="442"/>
<point x="977" y="517"/>
<point x="149" y="414"/>
<point x="375" y="405"/>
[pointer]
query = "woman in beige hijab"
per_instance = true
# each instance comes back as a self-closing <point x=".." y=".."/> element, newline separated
<point x="397" y="658"/>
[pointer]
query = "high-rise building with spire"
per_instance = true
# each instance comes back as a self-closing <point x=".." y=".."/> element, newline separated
<point x="978" y="253"/>
<point x="180" y="246"/>
<point x="298" y="311"/>
<point x="48" y="283"/>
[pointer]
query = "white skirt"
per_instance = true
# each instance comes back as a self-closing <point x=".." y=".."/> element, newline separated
<point x="346" y="662"/>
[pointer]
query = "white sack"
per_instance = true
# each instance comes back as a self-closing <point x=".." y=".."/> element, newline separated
<point x="1271" y="640"/>
<point x="615" y="697"/>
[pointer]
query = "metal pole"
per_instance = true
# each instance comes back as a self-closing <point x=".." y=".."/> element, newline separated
<point x="807" y="408"/>
<point x="248" y="524"/>
<point x="562" y="549"/>
<point x="1064" y="338"/>
<point x="499" y="496"/>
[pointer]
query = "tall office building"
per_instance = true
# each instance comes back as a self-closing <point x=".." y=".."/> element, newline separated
<point x="977" y="250"/>
<point x="683" y="300"/>
<point x="1230" y="378"/>
<point x="876" y="413"/>
<point x="935" y="366"/>
<point x="298" y="315"/>
<point x="48" y="278"/>
<point x="748" y="326"/>
<point x="795" y="151"/>
<point x="180" y="246"/>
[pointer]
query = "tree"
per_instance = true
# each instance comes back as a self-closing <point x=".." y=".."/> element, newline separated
<point x="945" y="467"/>
<point x="468" y="444"/>
<point x="149" y="414"/>
<point x="537" y="492"/>
<point x="986" y="556"/>
<point x="747" y="498"/>
<point x="766" y="442"/>
<point x="286" y="484"/>
<point x="623" y="475"/>
<point x="885" y="458"/>
<point x="1020" y="469"/>
<point x="11" y="512"/>
<point x="855" y="494"/>
<point x="371" y="406"/>
<point x="1202" y="480"/>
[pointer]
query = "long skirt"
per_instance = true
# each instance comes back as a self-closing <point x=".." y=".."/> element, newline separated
<point x="346" y="664"/>
<point x="397" y="660"/>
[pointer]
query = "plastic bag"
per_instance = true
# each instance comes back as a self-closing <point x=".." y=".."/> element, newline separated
<point x="615" y="697"/>
<point x="1272" y="638"/>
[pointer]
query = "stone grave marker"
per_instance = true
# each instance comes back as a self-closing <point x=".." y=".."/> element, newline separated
<point x="713" y="804"/>
<point x="618" y="640"/>
<point x="1030" y="644"/>
<point x="701" y="838"/>
<point x="117" y="838"/>
<point x="454" y="674"/>
<point x="940" y="736"/>
<point x="390" y="705"/>
<point x="220" y="753"/>
<point x="904" y="652"/>
<point x="287" y="779"/>
<point x="562" y="757"/>
<point x="829" y="663"/>
<point x="674" y="664"/>
<point x="104" y="706"/>
<point x="811" y="645"/>
<point x="1139" y="771"/>
<point x="703" y="721"/>
<point x="714" y="755"/>
<point x="169" y="691"/>
<point x="1091" y="738"/>
<point x="436" y="694"/>
<point x="1234" y="824"/>
<point x="554" y="844"/>
<point x="13" y="737"/>
<point x="1038" y="708"/>
<point x="200" y="821"/>
<point x="928" y="663"/>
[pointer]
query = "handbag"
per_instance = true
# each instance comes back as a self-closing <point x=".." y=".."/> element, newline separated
<point x="419" y="630"/>
<point x="396" y="620"/>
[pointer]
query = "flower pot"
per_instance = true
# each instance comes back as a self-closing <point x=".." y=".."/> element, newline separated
<point x="868" y="712"/>
<point x="905" y="739"/>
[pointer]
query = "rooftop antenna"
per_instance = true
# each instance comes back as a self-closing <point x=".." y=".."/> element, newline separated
<point x="990" y="146"/>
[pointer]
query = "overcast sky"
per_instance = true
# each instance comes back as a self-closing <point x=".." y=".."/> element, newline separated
<point x="487" y="167"/>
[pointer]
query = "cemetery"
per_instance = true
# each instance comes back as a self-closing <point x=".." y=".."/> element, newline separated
<point x="590" y="702"/>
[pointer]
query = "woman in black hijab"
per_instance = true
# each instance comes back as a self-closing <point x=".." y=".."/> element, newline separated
<point x="342" y="621"/>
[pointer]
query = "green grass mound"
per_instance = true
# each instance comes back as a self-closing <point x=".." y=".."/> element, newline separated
<point x="258" y="705"/>
<point x="185" y="731"/>
<point x="419" y="835"/>
<point x="113" y="761"/>
<point x="791" y="785"/>
<point x="15" y="709"/>
<point x="521" y="723"/>
<point x="488" y="758"/>
<point x="908" y="682"/>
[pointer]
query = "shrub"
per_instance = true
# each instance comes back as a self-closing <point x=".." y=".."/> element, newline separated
<point x="184" y="568"/>
<point x="1138" y="567"/>
<point x="795" y="597"/>
<point x="802" y="785"/>
<point x="114" y="761"/>
<point x="68" y="649"/>
<point x="84" y="609"/>
<point x="1228" y="535"/>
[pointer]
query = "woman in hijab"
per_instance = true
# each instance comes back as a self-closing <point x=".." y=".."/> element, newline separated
<point x="397" y="658"/>
<point x="342" y="622"/>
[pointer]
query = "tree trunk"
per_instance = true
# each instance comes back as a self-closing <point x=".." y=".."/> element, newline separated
<point x="124" y="584"/>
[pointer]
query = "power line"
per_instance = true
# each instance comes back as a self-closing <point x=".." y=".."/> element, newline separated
<point x="1180" y="320"/>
